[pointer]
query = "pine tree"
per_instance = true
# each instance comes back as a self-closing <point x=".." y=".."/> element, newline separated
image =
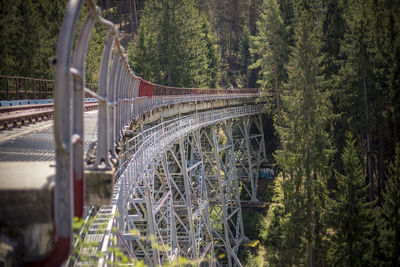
<point x="350" y="213"/>
<point x="357" y="79"/>
<point x="271" y="51"/>
<point x="9" y="37"/>
<point x="306" y="145"/>
<point x="391" y="212"/>
<point x="213" y="53"/>
<point x="245" y="58"/>
<point x="143" y="53"/>
<point x="174" y="47"/>
<point x="29" y="33"/>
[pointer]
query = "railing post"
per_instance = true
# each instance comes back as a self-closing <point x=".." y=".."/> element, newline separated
<point x="16" y="89"/>
<point x="7" y="90"/>
<point x="78" y="74"/>
<point x="34" y="89"/>
<point x="117" y="101"/>
<point x="111" y="100"/>
<point x="62" y="135"/>
<point x="103" y="145"/>
<point x="25" y="87"/>
<point x="47" y="89"/>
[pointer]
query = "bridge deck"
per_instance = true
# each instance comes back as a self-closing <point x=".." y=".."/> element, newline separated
<point x="27" y="169"/>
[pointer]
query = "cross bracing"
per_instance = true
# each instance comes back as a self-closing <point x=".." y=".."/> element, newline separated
<point x="179" y="187"/>
<point x="179" y="183"/>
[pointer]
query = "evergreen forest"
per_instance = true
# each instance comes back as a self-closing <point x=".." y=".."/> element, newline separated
<point x="333" y="70"/>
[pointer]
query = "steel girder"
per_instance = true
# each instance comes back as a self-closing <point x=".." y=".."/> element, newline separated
<point x="249" y="147"/>
<point x="183" y="199"/>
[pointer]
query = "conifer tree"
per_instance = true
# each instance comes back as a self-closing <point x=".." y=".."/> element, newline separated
<point x="245" y="57"/>
<point x="213" y="53"/>
<point x="306" y="144"/>
<point x="9" y="37"/>
<point x="391" y="212"/>
<point x="143" y="52"/>
<point x="350" y="213"/>
<point x="28" y="36"/>
<point x="174" y="47"/>
<point x="356" y="78"/>
<point x="271" y="49"/>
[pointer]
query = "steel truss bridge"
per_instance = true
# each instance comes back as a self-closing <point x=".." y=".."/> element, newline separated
<point x="176" y="179"/>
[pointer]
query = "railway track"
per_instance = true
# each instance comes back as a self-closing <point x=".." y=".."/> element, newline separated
<point x="21" y="115"/>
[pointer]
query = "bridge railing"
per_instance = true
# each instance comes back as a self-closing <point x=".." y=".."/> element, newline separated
<point x="122" y="96"/>
<point x="25" y="88"/>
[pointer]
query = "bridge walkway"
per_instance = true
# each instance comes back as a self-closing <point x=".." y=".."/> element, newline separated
<point x="27" y="169"/>
<point x="177" y="181"/>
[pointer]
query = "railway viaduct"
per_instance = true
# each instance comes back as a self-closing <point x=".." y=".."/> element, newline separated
<point x="155" y="173"/>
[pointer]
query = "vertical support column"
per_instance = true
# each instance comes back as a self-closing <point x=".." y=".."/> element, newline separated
<point x="188" y="197"/>
<point x="246" y="126"/>
<point x="261" y="126"/>
<point x="229" y="135"/>
<point x="171" y="215"/>
<point x="222" y="195"/>
<point x="204" y="197"/>
<point x="151" y="226"/>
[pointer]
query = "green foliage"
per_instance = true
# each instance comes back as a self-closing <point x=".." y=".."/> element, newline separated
<point x="174" y="46"/>
<point x="28" y="36"/>
<point x="270" y="48"/>
<point x="254" y="223"/>
<point x="90" y="254"/>
<point x="350" y="215"/>
<point x="391" y="213"/>
<point x="306" y="144"/>
<point x="252" y="260"/>
<point x="27" y="46"/>
<point x="94" y="53"/>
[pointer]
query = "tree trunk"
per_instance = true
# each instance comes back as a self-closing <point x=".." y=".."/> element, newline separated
<point x="131" y="16"/>
<point x="277" y="92"/>
<point x="370" y="179"/>
<point x="136" y="17"/>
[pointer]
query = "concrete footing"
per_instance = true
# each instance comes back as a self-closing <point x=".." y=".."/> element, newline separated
<point x="99" y="187"/>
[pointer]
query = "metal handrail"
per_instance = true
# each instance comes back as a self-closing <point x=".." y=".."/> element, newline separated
<point x="27" y="88"/>
<point x="144" y="150"/>
<point x="122" y="97"/>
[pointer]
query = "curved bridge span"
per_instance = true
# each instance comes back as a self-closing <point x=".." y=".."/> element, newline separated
<point x="179" y="183"/>
<point x="166" y="168"/>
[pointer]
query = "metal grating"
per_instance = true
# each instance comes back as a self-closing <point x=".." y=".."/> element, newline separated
<point x="36" y="142"/>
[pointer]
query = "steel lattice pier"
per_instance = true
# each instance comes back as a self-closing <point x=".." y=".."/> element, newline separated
<point x="179" y="185"/>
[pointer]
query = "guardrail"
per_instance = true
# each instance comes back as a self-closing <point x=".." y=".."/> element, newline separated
<point x="142" y="151"/>
<point x="25" y="88"/>
<point x="119" y="94"/>
<point x="16" y="116"/>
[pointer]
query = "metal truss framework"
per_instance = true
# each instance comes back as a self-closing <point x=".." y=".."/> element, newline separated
<point x="179" y="191"/>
